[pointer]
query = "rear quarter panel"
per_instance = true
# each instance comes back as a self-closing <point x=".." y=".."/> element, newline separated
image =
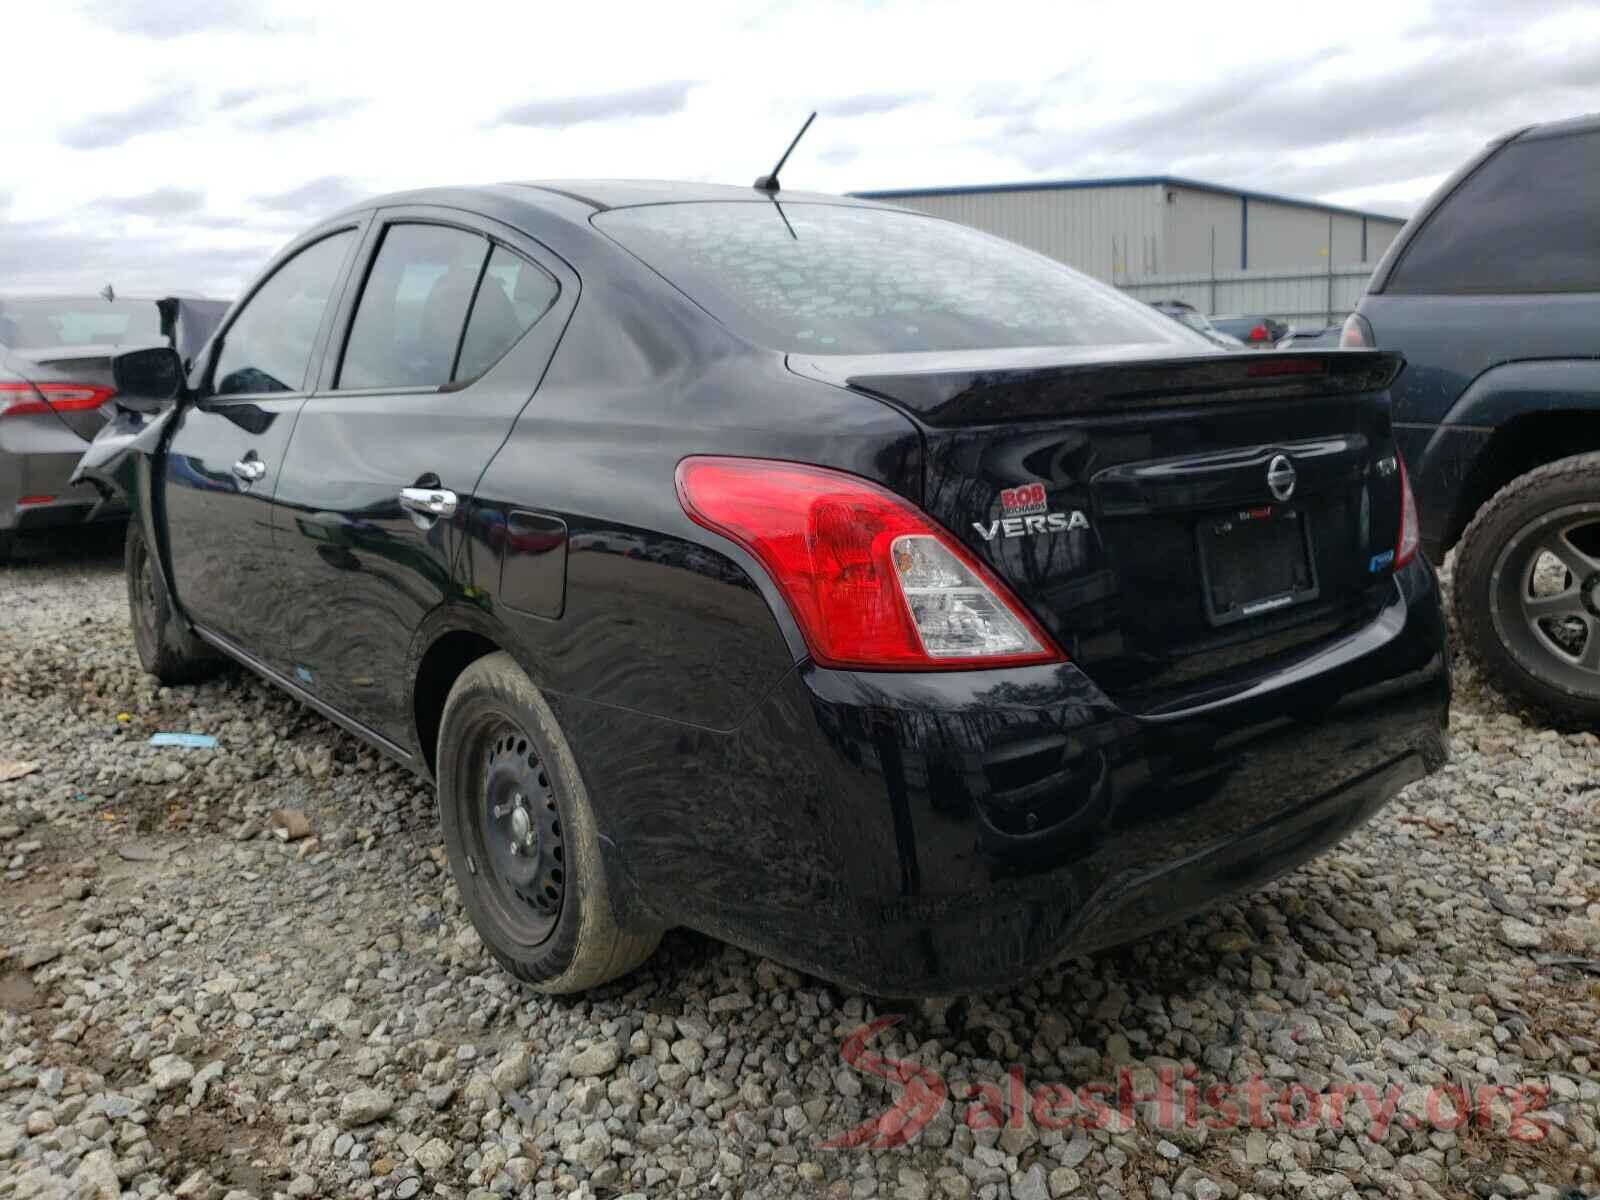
<point x="1448" y="341"/>
<point x="38" y="452"/>
<point x="1472" y="364"/>
<point x="658" y="614"/>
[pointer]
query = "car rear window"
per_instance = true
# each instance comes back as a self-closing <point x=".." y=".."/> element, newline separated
<point x="837" y="279"/>
<point x="1524" y="221"/>
<point x="44" y="324"/>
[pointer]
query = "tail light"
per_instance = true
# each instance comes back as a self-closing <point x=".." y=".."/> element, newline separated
<point x="1259" y="334"/>
<point x="22" y="399"/>
<point x="1405" y="546"/>
<point x="872" y="582"/>
<point x="1356" y="333"/>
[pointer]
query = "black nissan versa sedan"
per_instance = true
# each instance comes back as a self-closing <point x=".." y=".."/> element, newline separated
<point x="840" y="581"/>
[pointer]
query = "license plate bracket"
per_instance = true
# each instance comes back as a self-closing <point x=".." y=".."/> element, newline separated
<point x="1255" y="561"/>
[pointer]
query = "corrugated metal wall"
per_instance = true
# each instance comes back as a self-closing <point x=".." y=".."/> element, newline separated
<point x="1297" y="296"/>
<point x="1283" y="236"/>
<point x="1105" y="232"/>
<point x="1379" y="235"/>
<point x="1129" y="233"/>
<point x="1192" y="219"/>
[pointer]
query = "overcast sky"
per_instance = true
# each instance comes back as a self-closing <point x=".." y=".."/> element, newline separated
<point x="172" y="145"/>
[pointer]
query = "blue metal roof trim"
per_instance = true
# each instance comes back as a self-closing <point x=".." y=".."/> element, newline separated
<point x="1070" y="185"/>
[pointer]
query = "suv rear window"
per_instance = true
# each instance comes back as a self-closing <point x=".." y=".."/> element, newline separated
<point x="1524" y="221"/>
<point x="836" y="279"/>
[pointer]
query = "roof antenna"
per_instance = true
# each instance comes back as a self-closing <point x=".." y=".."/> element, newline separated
<point x="786" y="224"/>
<point x="769" y="183"/>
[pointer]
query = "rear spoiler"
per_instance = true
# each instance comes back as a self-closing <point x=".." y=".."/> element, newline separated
<point x="1035" y="391"/>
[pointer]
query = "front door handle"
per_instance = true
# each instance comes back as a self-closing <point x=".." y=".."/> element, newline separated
<point x="430" y="502"/>
<point x="249" y="469"/>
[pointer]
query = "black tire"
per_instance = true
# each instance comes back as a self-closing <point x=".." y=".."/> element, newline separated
<point x="544" y="907"/>
<point x="1542" y="649"/>
<point x="6" y="540"/>
<point x="166" y="647"/>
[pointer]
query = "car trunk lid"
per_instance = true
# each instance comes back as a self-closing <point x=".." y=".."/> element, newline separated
<point x="1168" y="520"/>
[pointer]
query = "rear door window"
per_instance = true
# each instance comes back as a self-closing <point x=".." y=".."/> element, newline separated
<point x="1524" y="221"/>
<point x="268" y="346"/>
<point x="842" y="279"/>
<point x="513" y="295"/>
<point x="413" y="311"/>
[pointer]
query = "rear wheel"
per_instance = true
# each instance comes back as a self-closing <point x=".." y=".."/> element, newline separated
<point x="1527" y="589"/>
<point x="165" y="646"/>
<point x="6" y="537"/>
<point x="521" y="836"/>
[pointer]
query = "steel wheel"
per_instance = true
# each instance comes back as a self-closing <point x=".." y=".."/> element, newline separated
<point x="522" y="840"/>
<point x="1546" y="591"/>
<point x="147" y="612"/>
<point x="514" y="831"/>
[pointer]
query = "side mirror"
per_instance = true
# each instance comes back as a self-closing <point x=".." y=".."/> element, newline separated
<point x="155" y="373"/>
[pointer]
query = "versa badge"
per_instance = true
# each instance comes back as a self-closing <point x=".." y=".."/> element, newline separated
<point x="1023" y="513"/>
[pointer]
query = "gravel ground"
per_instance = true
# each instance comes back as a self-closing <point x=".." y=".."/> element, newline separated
<point x="190" y="1006"/>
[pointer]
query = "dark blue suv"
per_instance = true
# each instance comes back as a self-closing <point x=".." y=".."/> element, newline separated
<point x="1492" y="294"/>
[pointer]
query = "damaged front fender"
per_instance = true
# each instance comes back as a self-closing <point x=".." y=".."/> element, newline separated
<point x="111" y="463"/>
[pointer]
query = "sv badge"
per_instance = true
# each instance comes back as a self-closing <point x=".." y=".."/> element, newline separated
<point x="1015" y="527"/>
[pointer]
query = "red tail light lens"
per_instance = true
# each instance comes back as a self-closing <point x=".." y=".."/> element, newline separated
<point x="1259" y="334"/>
<point x="1406" y="545"/>
<point x="872" y="582"/>
<point x="21" y="399"/>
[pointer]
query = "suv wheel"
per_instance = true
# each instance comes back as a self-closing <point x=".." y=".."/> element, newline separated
<point x="521" y="836"/>
<point x="1527" y="588"/>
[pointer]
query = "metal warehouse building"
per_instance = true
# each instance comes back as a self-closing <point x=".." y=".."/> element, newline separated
<point x="1134" y="230"/>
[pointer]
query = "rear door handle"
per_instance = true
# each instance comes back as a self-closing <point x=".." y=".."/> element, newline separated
<point x="249" y="469"/>
<point x="430" y="502"/>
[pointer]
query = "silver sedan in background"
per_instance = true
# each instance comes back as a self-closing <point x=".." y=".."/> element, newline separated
<point x="56" y="391"/>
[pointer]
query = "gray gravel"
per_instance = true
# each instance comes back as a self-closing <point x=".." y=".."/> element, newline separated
<point x="192" y="1006"/>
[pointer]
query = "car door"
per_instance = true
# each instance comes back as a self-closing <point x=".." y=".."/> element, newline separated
<point x="418" y="392"/>
<point x="227" y="447"/>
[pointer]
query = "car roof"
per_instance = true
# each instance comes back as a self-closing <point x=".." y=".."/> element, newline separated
<point x="556" y="196"/>
<point x="1587" y="123"/>
<point x="87" y="297"/>
<point x="627" y="193"/>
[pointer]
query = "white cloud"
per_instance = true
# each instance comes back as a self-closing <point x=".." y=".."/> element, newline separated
<point x="226" y="125"/>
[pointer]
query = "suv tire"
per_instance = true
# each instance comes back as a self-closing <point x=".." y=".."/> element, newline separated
<point x="521" y="836"/>
<point x="1528" y="646"/>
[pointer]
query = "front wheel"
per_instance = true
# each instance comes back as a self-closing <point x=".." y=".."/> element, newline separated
<point x="521" y="836"/>
<point x="1527" y="589"/>
<point x="166" y="648"/>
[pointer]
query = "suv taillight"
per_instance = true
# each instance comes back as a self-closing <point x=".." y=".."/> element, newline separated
<point x="1356" y="334"/>
<point x="872" y="582"/>
<point x="1405" y="546"/>
<point x="20" y="399"/>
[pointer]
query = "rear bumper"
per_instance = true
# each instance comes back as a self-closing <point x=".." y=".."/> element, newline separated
<point x="34" y="488"/>
<point x="939" y="833"/>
